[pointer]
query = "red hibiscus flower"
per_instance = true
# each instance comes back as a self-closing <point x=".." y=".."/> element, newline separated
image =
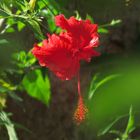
<point x="62" y="53"/>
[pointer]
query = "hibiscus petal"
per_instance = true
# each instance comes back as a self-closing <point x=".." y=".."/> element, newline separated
<point x="62" y="22"/>
<point x="57" y="57"/>
<point x="87" y="53"/>
<point x="94" y="42"/>
<point x="82" y="31"/>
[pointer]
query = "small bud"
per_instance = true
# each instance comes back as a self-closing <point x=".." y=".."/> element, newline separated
<point x="32" y="4"/>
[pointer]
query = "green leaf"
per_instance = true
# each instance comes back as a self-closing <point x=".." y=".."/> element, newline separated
<point x="37" y="86"/>
<point x="90" y="18"/>
<point x="36" y="28"/>
<point x="10" y="30"/>
<point x="9" y="125"/>
<point x="3" y="14"/>
<point x="114" y="22"/>
<point x="95" y="85"/>
<point x="78" y="15"/>
<point x="6" y="86"/>
<point x="102" y="30"/>
<point x="20" y="5"/>
<point x="20" y="25"/>
<point x="3" y="89"/>
<point x="3" y="97"/>
<point x="53" y="6"/>
<point x="130" y="125"/>
<point x="23" y="59"/>
<point x="41" y="4"/>
<point x="4" y="10"/>
<point x="108" y="127"/>
<point x="51" y="25"/>
<point x="3" y="41"/>
<point x="30" y="59"/>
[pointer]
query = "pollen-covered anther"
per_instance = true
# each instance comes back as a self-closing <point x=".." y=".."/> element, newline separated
<point x="81" y="111"/>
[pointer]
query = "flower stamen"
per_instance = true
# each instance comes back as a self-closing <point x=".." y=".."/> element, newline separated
<point x="81" y="111"/>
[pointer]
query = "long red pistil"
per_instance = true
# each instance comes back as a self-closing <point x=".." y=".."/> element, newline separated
<point x="81" y="110"/>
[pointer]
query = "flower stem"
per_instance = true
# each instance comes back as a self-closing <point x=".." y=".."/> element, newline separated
<point x="79" y="85"/>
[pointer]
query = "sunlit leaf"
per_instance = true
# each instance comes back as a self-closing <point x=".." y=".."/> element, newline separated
<point x="37" y="86"/>
<point x="2" y="100"/>
<point x="5" y="9"/>
<point x="6" y="86"/>
<point x="41" y="4"/>
<point x="23" y="59"/>
<point x="114" y="22"/>
<point x="9" y="125"/>
<point x="20" y="25"/>
<point x="77" y="15"/>
<point x="30" y="59"/>
<point x="32" y="4"/>
<point x="10" y="30"/>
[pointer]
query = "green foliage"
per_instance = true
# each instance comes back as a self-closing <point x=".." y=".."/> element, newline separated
<point x="37" y="86"/>
<point x="130" y="125"/>
<point x="32" y="4"/>
<point x="4" y="86"/>
<point x="129" y="128"/>
<point x="4" y="11"/>
<point x="24" y="16"/>
<point x="36" y="28"/>
<point x="2" y="100"/>
<point x="24" y="59"/>
<point x="90" y="18"/>
<point x="108" y="128"/>
<point x="102" y="28"/>
<point x="6" y="89"/>
<point x="114" y="22"/>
